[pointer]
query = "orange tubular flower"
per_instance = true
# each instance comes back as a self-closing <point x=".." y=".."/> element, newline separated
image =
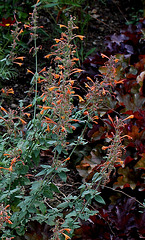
<point x="44" y="69"/>
<point x="73" y="127"/>
<point x="80" y="98"/>
<point x="63" y="129"/>
<point x="20" y="64"/>
<point x="49" y="120"/>
<point x="28" y="71"/>
<point x="104" y="148"/>
<point x="26" y="26"/>
<point x="3" y="109"/>
<point x="47" y="129"/>
<point x="104" y="56"/>
<point x="56" y="76"/>
<point x="61" y="25"/>
<point x="66" y="236"/>
<point x="47" y="56"/>
<point x="10" y="91"/>
<point x="46" y="108"/>
<point x="67" y="159"/>
<point x="30" y="105"/>
<point x="86" y="113"/>
<point x="57" y="40"/>
<point x="21" y="58"/>
<point x="22" y="121"/>
<point x="131" y="116"/>
<point x="80" y="36"/>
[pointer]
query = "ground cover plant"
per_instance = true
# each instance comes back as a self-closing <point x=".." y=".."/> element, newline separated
<point x="72" y="159"/>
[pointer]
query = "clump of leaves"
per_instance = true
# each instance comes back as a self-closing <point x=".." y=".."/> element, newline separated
<point x="118" y="221"/>
<point x="127" y="98"/>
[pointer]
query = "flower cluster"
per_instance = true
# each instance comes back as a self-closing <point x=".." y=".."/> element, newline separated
<point x="57" y="85"/>
<point x="114" y="150"/>
<point x="101" y="91"/>
<point x="4" y="215"/>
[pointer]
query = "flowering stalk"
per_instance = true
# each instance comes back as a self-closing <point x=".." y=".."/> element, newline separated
<point x="101" y="91"/>
<point x="114" y="150"/>
<point x="33" y="28"/>
<point x="4" y="215"/>
<point x="57" y="86"/>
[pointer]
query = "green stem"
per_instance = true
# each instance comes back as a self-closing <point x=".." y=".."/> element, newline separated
<point x="36" y="76"/>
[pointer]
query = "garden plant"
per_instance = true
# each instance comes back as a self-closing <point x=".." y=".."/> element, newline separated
<point x="73" y="158"/>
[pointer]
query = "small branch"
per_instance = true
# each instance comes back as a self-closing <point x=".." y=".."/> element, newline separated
<point x="125" y="195"/>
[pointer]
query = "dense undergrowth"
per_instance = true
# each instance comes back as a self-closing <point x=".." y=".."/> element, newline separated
<point x="73" y="160"/>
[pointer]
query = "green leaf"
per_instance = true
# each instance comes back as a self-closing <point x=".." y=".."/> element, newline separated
<point x="21" y="230"/>
<point x="51" y="142"/>
<point x="21" y="169"/>
<point x="54" y="188"/>
<point x="36" y="156"/>
<point x="63" y="205"/>
<point x="47" y="192"/>
<point x="90" y="52"/>
<point x="71" y="214"/>
<point x="43" y="172"/>
<point x="46" y="171"/>
<point x="99" y="199"/>
<point x="36" y="187"/>
<point x="63" y="176"/>
<point x="42" y="208"/>
<point x="58" y="149"/>
<point x="50" y="5"/>
<point x="32" y="209"/>
<point x="96" y="177"/>
<point x="36" y="152"/>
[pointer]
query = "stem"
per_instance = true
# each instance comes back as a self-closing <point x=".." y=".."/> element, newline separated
<point x="119" y="191"/>
<point x="36" y="74"/>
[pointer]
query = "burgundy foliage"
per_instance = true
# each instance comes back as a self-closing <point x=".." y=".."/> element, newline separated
<point x="121" y="218"/>
<point x="6" y="22"/>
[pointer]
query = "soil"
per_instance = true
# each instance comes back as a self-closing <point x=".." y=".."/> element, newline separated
<point x="107" y="17"/>
<point x="110" y="18"/>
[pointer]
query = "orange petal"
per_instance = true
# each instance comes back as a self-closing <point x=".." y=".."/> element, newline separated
<point x="80" y="36"/>
<point x="61" y="25"/>
<point x="3" y="109"/>
<point x="47" y="56"/>
<point x="20" y="64"/>
<point x="28" y="71"/>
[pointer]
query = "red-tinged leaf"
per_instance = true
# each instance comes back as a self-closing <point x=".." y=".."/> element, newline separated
<point x="128" y="160"/>
<point x="127" y="178"/>
<point x="88" y="165"/>
<point x="141" y="163"/>
<point x="97" y="132"/>
<point x="133" y="33"/>
<point x="131" y="76"/>
<point x="135" y="132"/>
<point x="6" y="22"/>
<point x="140" y="65"/>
